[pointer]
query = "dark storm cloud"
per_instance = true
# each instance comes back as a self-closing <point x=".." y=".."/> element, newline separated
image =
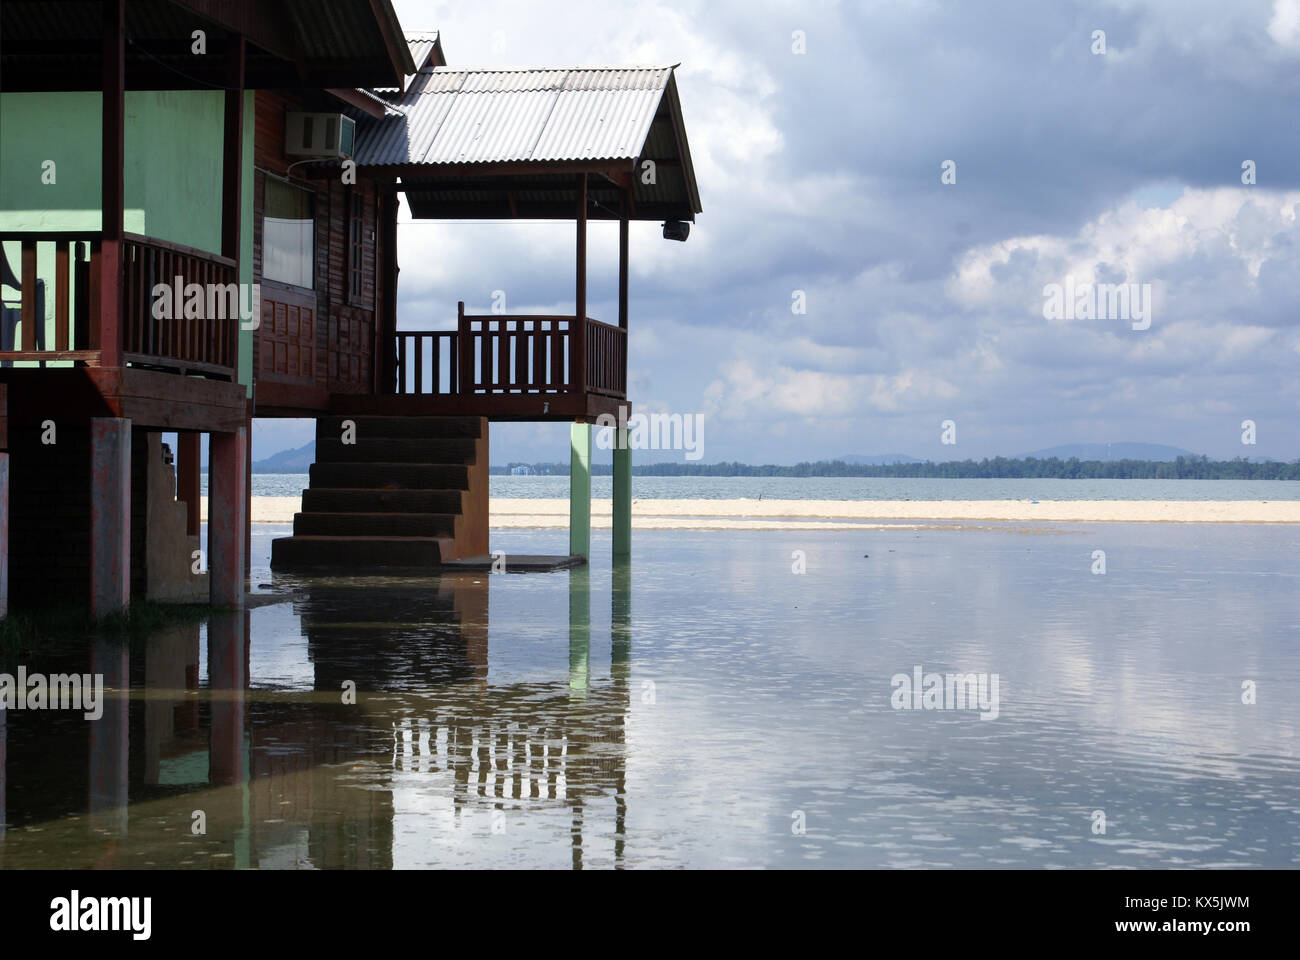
<point x="820" y="173"/>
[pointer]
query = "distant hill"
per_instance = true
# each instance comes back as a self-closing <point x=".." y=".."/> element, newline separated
<point x="880" y="459"/>
<point x="1157" y="452"/>
<point x="298" y="460"/>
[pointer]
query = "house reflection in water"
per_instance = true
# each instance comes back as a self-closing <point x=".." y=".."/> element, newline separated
<point x="244" y="774"/>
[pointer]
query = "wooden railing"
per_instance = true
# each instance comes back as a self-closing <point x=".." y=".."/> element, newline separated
<point x="426" y="362"/>
<point x="205" y="344"/>
<point x="26" y="310"/>
<point x="606" y="359"/>
<point x="495" y="354"/>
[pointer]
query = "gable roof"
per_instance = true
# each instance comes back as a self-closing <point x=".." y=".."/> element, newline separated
<point x="471" y="124"/>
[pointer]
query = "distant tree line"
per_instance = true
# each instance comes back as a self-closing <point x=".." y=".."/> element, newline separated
<point x="999" y="468"/>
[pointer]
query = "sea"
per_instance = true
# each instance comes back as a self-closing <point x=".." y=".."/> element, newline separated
<point x="894" y="697"/>
<point x="856" y="488"/>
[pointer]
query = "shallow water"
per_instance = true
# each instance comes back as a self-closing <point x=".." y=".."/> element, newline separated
<point x="697" y="707"/>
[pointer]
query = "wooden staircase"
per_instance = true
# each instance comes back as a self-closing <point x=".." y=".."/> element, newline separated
<point x="407" y="492"/>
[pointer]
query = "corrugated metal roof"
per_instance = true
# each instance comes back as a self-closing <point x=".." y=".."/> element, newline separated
<point x="497" y="116"/>
<point x="421" y="45"/>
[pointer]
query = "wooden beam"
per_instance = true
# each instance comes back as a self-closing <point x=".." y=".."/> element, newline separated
<point x="390" y="30"/>
<point x="387" y="325"/>
<point x="354" y="99"/>
<point x="622" y="271"/>
<point x="28" y="302"/>
<point x="106" y="331"/>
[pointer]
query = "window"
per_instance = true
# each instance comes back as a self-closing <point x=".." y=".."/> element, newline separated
<point x="288" y="233"/>
<point x="356" y="221"/>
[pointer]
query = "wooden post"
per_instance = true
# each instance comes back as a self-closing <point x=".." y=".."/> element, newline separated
<point x="189" y="483"/>
<point x="580" y="489"/>
<point x="106" y="330"/>
<point x="578" y="336"/>
<point x="622" y="273"/>
<point x="232" y="167"/>
<point x="464" y="354"/>
<point x="227" y="453"/>
<point x="387" y="324"/>
<point x="110" y="515"/>
<point x="232" y="156"/>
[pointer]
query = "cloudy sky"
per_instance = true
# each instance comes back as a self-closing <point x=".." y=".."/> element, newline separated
<point x="822" y="172"/>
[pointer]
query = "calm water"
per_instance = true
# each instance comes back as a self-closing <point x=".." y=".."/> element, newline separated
<point x="854" y="488"/>
<point x="691" y="708"/>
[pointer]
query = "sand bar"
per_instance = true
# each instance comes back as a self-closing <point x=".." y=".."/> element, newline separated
<point x="853" y="514"/>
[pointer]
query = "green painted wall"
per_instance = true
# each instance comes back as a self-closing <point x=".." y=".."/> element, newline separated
<point x="172" y="178"/>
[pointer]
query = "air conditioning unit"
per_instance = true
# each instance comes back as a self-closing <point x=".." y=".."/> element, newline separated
<point x="319" y="135"/>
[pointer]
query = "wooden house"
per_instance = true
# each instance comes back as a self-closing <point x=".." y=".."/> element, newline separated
<point x="198" y="214"/>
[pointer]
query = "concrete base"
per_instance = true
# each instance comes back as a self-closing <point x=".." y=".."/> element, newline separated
<point x="580" y="489"/>
<point x="226" y="518"/>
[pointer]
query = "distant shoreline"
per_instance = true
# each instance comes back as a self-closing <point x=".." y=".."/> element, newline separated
<point x="648" y="514"/>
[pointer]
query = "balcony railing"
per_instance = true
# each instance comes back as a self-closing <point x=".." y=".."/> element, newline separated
<point x="207" y="344"/>
<point x="51" y="317"/>
<point x="492" y="354"/>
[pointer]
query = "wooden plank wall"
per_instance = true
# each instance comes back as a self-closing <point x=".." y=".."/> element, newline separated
<point x="321" y="338"/>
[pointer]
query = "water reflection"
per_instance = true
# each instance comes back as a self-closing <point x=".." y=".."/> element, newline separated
<point x="197" y="767"/>
<point x="526" y="720"/>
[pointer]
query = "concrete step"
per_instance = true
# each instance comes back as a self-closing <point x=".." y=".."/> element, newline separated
<point x="429" y="428"/>
<point x="326" y="500"/>
<point x="389" y="476"/>
<point x="358" y="552"/>
<point x="374" y="524"/>
<point x="390" y="450"/>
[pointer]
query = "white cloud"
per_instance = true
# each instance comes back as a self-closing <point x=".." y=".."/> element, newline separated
<point x="1284" y="25"/>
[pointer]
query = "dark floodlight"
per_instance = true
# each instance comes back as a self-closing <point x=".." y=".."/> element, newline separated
<point x="676" y="230"/>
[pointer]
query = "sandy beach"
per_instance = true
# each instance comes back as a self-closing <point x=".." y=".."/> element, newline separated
<point x="853" y="514"/>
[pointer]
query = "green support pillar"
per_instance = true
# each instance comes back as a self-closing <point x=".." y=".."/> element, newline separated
<point x="622" y="496"/>
<point x="580" y="489"/>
